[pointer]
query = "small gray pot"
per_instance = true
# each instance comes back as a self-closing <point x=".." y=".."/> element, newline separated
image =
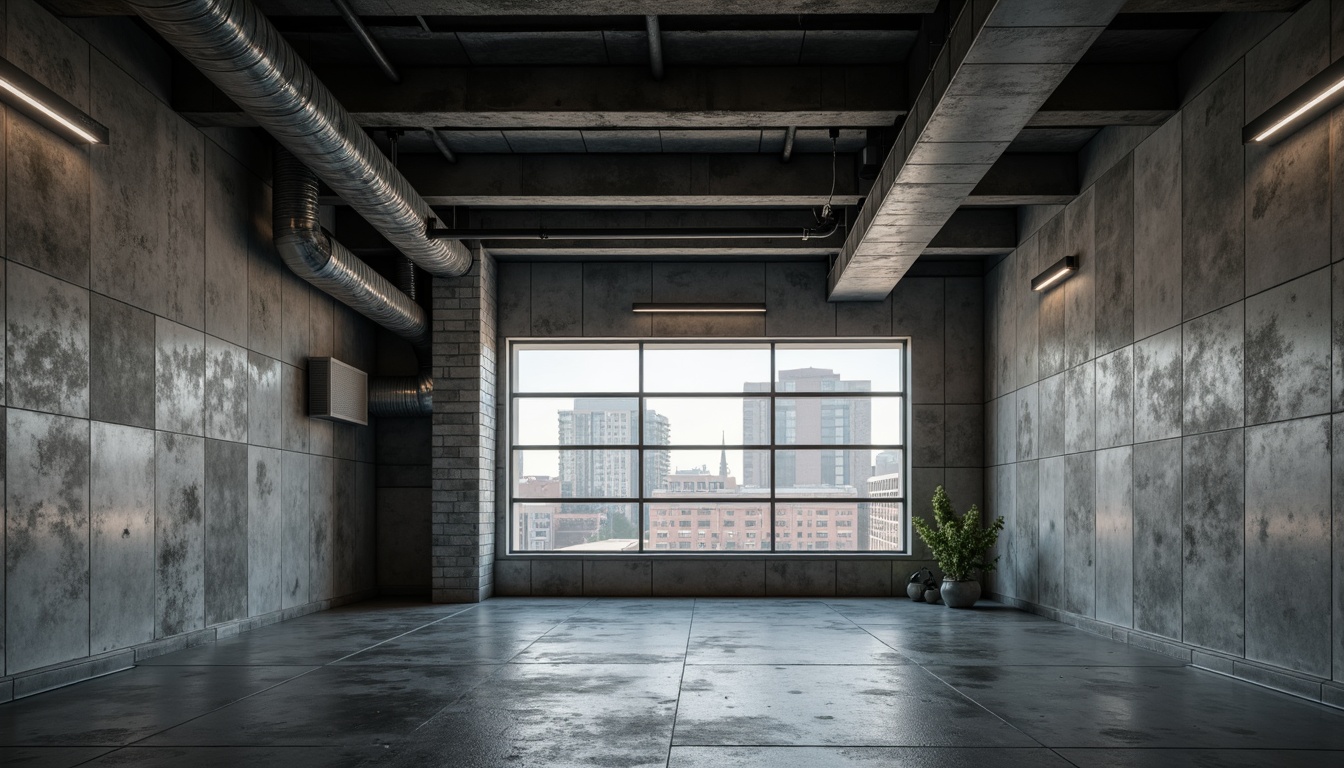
<point x="915" y="590"/>
<point x="960" y="594"/>
<point x="932" y="596"/>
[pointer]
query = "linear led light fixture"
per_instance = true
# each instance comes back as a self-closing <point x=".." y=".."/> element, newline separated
<point x="19" y="90"/>
<point x="1319" y="95"/>
<point x="722" y="308"/>
<point x="1057" y="273"/>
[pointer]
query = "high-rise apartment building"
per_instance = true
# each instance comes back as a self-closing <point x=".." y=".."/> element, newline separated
<point x="809" y="421"/>
<point x="608" y="473"/>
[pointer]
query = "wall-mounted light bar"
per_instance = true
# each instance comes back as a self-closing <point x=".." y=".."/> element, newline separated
<point x="42" y="105"/>
<point x="1057" y="273"/>
<point x="723" y="308"/>
<point x="1319" y="95"/>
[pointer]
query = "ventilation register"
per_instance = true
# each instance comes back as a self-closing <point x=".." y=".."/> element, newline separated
<point x="337" y="392"/>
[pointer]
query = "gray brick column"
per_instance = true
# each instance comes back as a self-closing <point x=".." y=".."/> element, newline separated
<point x="463" y="458"/>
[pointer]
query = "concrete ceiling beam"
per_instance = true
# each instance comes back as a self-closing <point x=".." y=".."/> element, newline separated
<point x="1002" y="62"/>
<point x="589" y="97"/>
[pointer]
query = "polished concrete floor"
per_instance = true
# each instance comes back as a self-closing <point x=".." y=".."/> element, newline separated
<point x="683" y="683"/>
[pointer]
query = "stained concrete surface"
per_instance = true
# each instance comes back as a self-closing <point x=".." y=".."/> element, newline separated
<point x="667" y="682"/>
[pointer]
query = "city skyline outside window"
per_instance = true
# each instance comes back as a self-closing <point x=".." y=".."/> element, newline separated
<point x="698" y="447"/>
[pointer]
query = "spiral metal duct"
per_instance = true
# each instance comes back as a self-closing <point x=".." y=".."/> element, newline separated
<point x="315" y="256"/>
<point x="241" y="52"/>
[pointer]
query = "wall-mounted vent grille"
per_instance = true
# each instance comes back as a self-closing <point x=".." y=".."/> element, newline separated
<point x="337" y="392"/>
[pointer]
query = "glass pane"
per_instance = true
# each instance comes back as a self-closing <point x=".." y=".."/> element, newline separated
<point x="717" y="368"/>
<point x="706" y="473"/>
<point x="707" y="421"/>
<point x="576" y="421"/>
<point x="575" y="474"/>
<point x="576" y="527"/>
<point x="838" y="420"/>
<point x="695" y="526"/>
<point x="857" y="368"/>
<point x="837" y="472"/>
<point x="839" y="526"/>
<point x="576" y="369"/>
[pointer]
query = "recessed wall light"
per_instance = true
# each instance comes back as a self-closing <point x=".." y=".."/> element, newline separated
<point x="703" y="308"/>
<point x="19" y="90"/>
<point x="1318" y="96"/>
<point x="1057" y="273"/>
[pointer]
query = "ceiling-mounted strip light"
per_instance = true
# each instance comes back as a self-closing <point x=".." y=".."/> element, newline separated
<point x="1055" y="274"/>
<point x="667" y="308"/>
<point x="1320" y="94"/>
<point x="44" y="106"/>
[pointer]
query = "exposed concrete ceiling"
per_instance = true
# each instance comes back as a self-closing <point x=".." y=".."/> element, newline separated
<point x="539" y="7"/>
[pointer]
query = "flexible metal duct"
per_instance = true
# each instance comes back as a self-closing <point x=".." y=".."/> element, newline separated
<point x="315" y="256"/>
<point x="241" y="52"/>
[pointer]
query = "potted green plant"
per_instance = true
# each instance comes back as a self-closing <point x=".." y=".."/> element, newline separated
<point x="959" y="545"/>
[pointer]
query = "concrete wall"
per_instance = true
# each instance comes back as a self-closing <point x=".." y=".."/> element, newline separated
<point x="942" y="316"/>
<point x="1160" y="427"/>
<point x="162" y="483"/>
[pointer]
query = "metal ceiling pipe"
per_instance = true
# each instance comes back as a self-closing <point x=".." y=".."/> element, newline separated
<point x="790" y="134"/>
<point x="241" y="52"/>
<point x="655" y="46"/>
<point x="315" y="256"/>
<point x="362" y="32"/>
<point x="442" y="144"/>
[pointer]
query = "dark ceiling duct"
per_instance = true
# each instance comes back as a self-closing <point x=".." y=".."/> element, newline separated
<point x="820" y="231"/>
<point x="241" y="52"/>
<point x="315" y="256"/>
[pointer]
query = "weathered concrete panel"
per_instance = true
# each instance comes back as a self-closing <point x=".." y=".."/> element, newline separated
<point x="1052" y="416"/>
<point x="121" y="363"/>
<point x="1213" y="216"/>
<point x="296" y="537"/>
<point x="1080" y="408"/>
<point x="179" y="576"/>
<point x="265" y="318"/>
<point x="121" y="537"/>
<point x="965" y="353"/>
<point x="557" y="300"/>
<point x="225" y="390"/>
<point x="1337" y="504"/>
<point x="321" y="325"/>
<point x="927" y="436"/>
<point x="1080" y="519"/>
<point x="965" y="443"/>
<point x="1157" y="386"/>
<point x="515" y="299"/>
<point x="343" y="538"/>
<point x="801" y="578"/>
<point x="1288" y="350"/>
<point x="47" y="205"/>
<point x="47" y="349"/>
<point x="265" y="531"/>
<point x="1213" y="389"/>
<point x="46" y="540"/>
<point x="725" y="578"/>
<point x="295" y="310"/>
<point x="227" y="224"/>
<point x="1050" y="567"/>
<point x="225" y="531"/>
<point x="1115" y="536"/>
<point x="1028" y="313"/>
<point x="609" y="290"/>
<point x="264" y="423"/>
<point x="1287" y="57"/>
<point x="1287" y="207"/>
<point x="1080" y="315"/>
<point x="1026" y="532"/>
<point x="1054" y="245"/>
<point x="1337" y="336"/>
<point x="557" y="578"/>
<point x="918" y="311"/>
<point x="1288" y="530"/>
<point x="1157" y="537"/>
<point x="709" y="282"/>
<point x="183" y="196"/>
<point x="1028" y="422"/>
<point x="1115" y="257"/>
<point x="1157" y="231"/>
<point x="1213" y="504"/>
<point x="294" y="408"/>
<point x="404" y="551"/>
<point x="795" y="300"/>
<point x="322" y="525"/>
<point x="864" y="318"/>
<point x="179" y="375"/>
<point x="1000" y="328"/>
<point x="1002" y="429"/>
<point x="1000" y="493"/>
<point x="1115" y="398"/>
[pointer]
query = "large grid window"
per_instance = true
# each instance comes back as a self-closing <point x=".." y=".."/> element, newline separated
<point x="713" y="446"/>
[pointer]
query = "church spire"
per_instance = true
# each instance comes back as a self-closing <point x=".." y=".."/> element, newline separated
<point x="723" y="456"/>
